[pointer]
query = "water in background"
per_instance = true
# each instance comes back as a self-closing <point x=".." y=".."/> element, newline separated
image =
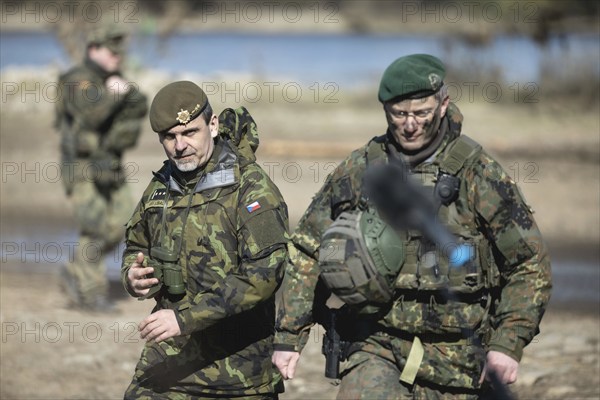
<point x="347" y="59"/>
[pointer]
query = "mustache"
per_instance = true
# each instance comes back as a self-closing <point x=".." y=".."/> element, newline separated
<point x="182" y="155"/>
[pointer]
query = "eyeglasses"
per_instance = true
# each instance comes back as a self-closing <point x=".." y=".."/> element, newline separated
<point x="419" y="115"/>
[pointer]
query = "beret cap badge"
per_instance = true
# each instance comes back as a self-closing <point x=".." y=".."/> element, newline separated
<point x="435" y="80"/>
<point x="184" y="116"/>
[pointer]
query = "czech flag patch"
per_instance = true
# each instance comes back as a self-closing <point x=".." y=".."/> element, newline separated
<point x="253" y="207"/>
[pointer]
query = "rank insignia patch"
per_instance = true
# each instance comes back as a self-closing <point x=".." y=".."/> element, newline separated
<point x="158" y="194"/>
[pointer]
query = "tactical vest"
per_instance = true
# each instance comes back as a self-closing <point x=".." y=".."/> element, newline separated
<point x="367" y="264"/>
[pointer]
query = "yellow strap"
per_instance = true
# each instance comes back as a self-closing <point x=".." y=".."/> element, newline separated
<point x="415" y="356"/>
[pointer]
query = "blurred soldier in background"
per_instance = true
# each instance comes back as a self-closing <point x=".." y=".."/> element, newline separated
<point x="99" y="117"/>
<point x="407" y="338"/>
<point x="207" y="242"/>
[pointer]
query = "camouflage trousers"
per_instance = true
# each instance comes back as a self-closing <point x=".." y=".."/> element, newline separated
<point x="132" y="394"/>
<point x="173" y="369"/>
<point x="139" y="392"/>
<point x="101" y="216"/>
<point x="374" y="371"/>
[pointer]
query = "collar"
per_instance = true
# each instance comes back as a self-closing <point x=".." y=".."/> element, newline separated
<point x="218" y="172"/>
<point x="98" y="70"/>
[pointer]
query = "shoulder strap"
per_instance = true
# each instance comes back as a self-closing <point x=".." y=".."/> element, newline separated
<point x="374" y="149"/>
<point x="463" y="149"/>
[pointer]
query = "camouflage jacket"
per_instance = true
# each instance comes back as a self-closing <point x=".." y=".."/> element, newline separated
<point x="489" y="203"/>
<point x="96" y="125"/>
<point x="230" y="226"/>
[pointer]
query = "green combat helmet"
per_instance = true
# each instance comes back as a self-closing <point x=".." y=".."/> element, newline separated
<point x="111" y="36"/>
<point x="360" y="258"/>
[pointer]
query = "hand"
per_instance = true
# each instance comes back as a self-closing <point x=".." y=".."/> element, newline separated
<point x="286" y="362"/>
<point x="137" y="276"/>
<point x="117" y="85"/>
<point x="504" y="366"/>
<point x="159" y="326"/>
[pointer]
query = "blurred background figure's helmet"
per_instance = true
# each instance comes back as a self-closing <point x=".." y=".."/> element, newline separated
<point x="111" y="36"/>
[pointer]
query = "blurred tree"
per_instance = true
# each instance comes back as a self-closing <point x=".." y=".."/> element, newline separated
<point x="86" y="15"/>
<point x="147" y="17"/>
<point x="537" y="19"/>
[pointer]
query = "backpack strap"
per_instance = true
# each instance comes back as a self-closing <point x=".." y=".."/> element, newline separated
<point x="238" y="128"/>
<point x="374" y="151"/>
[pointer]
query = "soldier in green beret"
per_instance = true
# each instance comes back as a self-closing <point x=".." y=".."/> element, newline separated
<point x="402" y="336"/>
<point x="207" y="243"/>
<point x="99" y="118"/>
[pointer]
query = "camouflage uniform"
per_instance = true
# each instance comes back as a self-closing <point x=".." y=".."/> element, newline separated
<point x="96" y="127"/>
<point x="229" y="224"/>
<point x="504" y="314"/>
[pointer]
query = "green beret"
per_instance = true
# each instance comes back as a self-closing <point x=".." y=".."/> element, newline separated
<point x="414" y="76"/>
<point x="111" y="36"/>
<point x="175" y="104"/>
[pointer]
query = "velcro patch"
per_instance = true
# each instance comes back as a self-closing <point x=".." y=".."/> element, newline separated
<point x="158" y="203"/>
<point x="253" y="206"/>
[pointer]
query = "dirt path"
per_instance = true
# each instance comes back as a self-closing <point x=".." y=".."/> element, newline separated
<point x="49" y="351"/>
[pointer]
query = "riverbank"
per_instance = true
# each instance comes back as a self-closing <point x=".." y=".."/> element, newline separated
<point x="549" y="148"/>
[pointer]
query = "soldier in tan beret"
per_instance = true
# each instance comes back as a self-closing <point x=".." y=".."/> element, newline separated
<point x="206" y="244"/>
<point x="99" y="118"/>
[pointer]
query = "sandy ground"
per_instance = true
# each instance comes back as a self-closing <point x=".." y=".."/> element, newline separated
<point x="49" y="351"/>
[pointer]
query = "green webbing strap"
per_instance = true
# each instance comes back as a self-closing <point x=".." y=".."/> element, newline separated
<point x="373" y="151"/>
<point x="163" y="220"/>
<point x="413" y="362"/>
<point x="463" y="149"/>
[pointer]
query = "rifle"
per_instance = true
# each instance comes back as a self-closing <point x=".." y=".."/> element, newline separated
<point x="404" y="204"/>
<point x="334" y="348"/>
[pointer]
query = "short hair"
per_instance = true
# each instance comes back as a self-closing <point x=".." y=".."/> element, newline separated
<point x="207" y="113"/>
<point x="441" y="94"/>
